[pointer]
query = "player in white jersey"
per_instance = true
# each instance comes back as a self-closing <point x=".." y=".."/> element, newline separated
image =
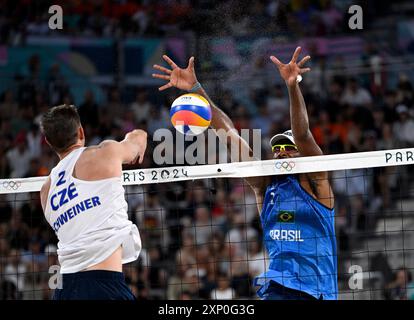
<point x="84" y="202"/>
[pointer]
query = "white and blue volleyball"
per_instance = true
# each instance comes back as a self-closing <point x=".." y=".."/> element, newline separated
<point x="190" y="114"/>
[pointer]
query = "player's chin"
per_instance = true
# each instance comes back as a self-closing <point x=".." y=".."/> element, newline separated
<point x="280" y="157"/>
<point x="286" y="156"/>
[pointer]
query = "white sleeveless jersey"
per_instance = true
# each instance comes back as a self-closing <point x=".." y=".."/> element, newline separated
<point x="89" y="218"/>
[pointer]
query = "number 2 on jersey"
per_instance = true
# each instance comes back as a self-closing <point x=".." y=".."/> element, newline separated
<point x="61" y="180"/>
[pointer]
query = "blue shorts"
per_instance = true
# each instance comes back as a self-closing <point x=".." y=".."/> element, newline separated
<point x="279" y="292"/>
<point x="94" y="285"/>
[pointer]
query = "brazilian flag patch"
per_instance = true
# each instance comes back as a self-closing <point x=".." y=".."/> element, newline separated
<point x="286" y="216"/>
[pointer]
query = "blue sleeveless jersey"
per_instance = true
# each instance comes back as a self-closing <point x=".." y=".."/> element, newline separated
<point x="299" y="235"/>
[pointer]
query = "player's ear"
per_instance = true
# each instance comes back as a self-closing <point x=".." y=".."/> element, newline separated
<point x="48" y="142"/>
<point x="81" y="134"/>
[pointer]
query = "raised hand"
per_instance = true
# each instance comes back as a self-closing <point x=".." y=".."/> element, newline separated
<point x="291" y="70"/>
<point x="183" y="79"/>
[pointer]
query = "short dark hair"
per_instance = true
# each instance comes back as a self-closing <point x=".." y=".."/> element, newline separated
<point x="60" y="126"/>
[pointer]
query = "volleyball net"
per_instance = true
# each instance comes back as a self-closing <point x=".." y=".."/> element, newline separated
<point x="201" y="231"/>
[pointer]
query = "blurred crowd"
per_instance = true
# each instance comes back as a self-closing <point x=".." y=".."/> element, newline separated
<point x="158" y="18"/>
<point x="202" y="239"/>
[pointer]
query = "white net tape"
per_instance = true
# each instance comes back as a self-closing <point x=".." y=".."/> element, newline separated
<point x="358" y="160"/>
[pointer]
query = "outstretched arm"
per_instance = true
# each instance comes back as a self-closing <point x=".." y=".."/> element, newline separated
<point x="304" y="140"/>
<point x="298" y="114"/>
<point x="128" y="151"/>
<point x="185" y="79"/>
<point x="131" y="150"/>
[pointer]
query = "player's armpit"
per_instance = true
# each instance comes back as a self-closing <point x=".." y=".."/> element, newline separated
<point x="320" y="188"/>
<point x="258" y="184"/>
<point x="44" y="191"/>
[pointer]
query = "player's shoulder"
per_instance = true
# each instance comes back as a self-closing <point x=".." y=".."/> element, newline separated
<point x="102" y="158"/>
<point x="46" y="185"/>
<point x="109" y="146"/>
<point x="105" y="149"/>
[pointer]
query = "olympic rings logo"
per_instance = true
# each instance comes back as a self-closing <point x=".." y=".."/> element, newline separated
<point x="285" y="165"/>
<point x="11" y="185"/>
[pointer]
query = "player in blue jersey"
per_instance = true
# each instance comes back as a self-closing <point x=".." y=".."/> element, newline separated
<point x="296" y="211"/>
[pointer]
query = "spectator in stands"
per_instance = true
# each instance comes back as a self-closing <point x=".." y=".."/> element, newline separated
<point x="223" y="290"/>
<point x="397" y="289"/>
<point x="235" y="265"/>
<point x="262" y="121"/>
<point x="8" y="106"/>
<point x="156" y="277"/>
<point x="216" y="245"/>
<point x="323" y="132"/>
<point x="220" y="207"/>
<point x="4" y="163"/>
<point x="403" y="129"/>
<point x="276" y="103"/>
<point x="31" y="82"/>
<point x="88" y="111"/>
<point x="243" y="199"/>
<point x="51" y="254"/>
<point x="56" y="85"/>
<point x="355" y="95"/>
<point x="342" y="225"/>
<point x="389" y="103"/>
<point x="203" y="227"/>
<point x="128" y="122"/>
<point x="150" y="216"/>
<point x="139" y="276"/>
<point x="18" y="232"/>
<point x="34" y="141"/>
<point x="227" y="101"/>
<point x="106" y="125"/>
<point x="141" y="107"/>
<point x="238" y="23"/>
<point x="32" y="215"/>
<point x="241" y="234"/>
<point x="48" y="160"/>
<point x="24" y="120"/>
<point x="114" y="106"/>
<point x="176" y="284"/>
<point x="192" y="281"/>
<point x="4" y="246"/>
<point x="16" y="270"/>
<point x="203" y="259"/>
<point x="19" y="157"/>
<point x="131" y="278"/>
<point x="404" y="93"/>
<point x="8" y="291"/>
<point x="33" y="256"/>
<point x="159" y="119"/>
<point x="197" y="197"/>
<point x="185" y="257"/>
<point x="304" y="13"/>
<point x="209" y="280"/>
<point x="257" y="259"/>
<point x="330" y="16"/>
<point x="6" y="213"/>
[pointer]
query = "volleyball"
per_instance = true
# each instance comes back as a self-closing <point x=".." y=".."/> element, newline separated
<point x="190" y="114"/>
